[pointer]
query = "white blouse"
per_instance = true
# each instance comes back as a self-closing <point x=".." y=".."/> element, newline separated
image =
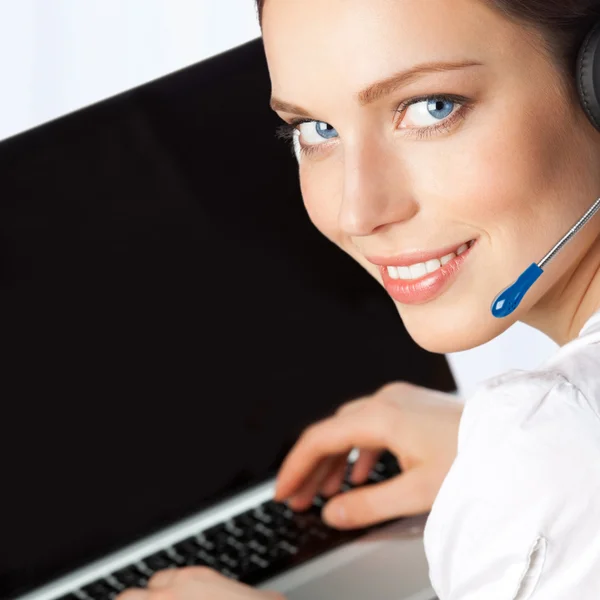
<point x="518" y="514"/>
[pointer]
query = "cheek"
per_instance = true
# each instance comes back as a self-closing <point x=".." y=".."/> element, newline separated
<point x="505" y="176"/>
<point x="512" y="181"/>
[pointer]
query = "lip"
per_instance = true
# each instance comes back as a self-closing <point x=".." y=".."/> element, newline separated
<point x="412" y="258"/>
<point x="428" y="287"/>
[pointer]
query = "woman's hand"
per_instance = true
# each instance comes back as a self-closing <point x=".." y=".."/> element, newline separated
<point x="196" y="583"/>
<point x="419" y="426"/>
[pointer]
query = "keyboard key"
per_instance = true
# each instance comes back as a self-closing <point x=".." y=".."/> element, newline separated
<point x="390" y="463"/>
<point x="319" y="502"/>
<point x="159" y="561"/>
<point x="186" y="551"/>
<point x="213" y="539"/>
<point x="379" y="467"/>
<point x="231" y="574"/>
<point x="376" y="477"/>
<point x="305" y="520"/>
<point x="205" y="559"/>
<point x="276" y="509"/>
<point x="283" y="548"/>
<point x="258" y="560"/>
<point x="186" y="547"/>
<point x="262" y="531"/>
<point x="245" y="521"/>
<point x="236" y="544"/>
<point x="261" y="516"/>
<point x="319" y="532"/>
<point x="229" y="561"/>
<point x="257" y="547"/>
<point x="198" y="552"/>
<point x="210" y="544"/>
<point x="234" y="529"/>
<point x="131" y="577"/>
<point x="100" y="590"/>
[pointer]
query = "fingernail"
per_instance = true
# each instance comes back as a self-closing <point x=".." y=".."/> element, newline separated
<point x="335" y="514"/>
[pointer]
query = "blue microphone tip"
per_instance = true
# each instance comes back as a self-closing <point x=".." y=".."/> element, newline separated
<point x="508" y="299"/>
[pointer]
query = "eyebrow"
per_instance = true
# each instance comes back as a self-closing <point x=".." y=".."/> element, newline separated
<point x="386" y="86"/>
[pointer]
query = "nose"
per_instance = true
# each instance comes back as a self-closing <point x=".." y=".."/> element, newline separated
<point x="376" y="191"/>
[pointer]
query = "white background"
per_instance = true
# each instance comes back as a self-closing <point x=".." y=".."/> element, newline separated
<point x="60" y="55"/>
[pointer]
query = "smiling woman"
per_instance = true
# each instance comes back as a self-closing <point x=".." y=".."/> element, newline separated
<point x="444" y="146"/>
<point x="439" y="137"/>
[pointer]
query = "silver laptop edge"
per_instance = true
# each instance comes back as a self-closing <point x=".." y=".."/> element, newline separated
<point x="408" y="528"/>
<point x="154" y="543"/>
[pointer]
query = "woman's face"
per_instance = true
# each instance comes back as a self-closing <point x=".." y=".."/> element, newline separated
<point x="483" y="148"/>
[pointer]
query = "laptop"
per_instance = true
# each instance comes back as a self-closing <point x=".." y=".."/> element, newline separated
<point x="171" y="322"/>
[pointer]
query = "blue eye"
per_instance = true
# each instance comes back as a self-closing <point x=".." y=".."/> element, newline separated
<point x="424" y="115"/>
<point x="315" y="132"/>
<point x="325" y="130"/>
<point x="440" y="109"/>
<point x="425" y="112"/>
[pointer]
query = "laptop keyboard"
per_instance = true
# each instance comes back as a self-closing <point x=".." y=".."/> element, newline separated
<point x="251" y="547"/>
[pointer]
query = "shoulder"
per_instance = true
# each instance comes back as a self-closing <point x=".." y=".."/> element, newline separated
<point x="529" y="429"/>
<point x="518" y="400"/>
<point x="525" y="471"/>
<point x="579" y="363"/>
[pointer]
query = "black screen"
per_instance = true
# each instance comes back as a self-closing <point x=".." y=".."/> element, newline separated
<point x="170" y="318"/>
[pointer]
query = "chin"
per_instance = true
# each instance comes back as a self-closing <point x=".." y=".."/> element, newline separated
<point x="443" y="330"/>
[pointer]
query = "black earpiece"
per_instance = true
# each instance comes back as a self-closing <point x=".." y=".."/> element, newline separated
<point x="588" y="75"/>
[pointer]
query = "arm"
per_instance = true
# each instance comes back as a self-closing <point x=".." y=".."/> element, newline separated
<point x="515" y="515"/>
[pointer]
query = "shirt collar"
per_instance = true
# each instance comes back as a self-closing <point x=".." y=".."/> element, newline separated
<point x="591" y="325"/>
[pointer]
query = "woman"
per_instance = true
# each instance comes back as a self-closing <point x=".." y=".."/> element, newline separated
<point x="442" y="144"/>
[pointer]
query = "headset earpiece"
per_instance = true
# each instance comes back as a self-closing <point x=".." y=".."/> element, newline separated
<point x="588" y="75"/>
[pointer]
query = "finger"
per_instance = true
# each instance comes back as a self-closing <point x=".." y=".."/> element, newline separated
<point x="346" y="408"/>
<point x="162" y="578"/>
<point x="133" y="594"/>
<point x="304" y="495"/>
<point x="370" y="429"/>
<point x="202" y="573"/>
<point x="363" y="465"/>
<point x="172" y="577"/>
<point x="333" y="480"/>
<point x="332" y="483"/>
<point x="410" y="493"/>
<point x="351" y="406"/>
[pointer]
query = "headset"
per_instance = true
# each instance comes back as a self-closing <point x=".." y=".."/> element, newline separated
<point x="587" y="72"/>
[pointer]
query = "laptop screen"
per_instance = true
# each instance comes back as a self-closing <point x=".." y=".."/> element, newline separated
<point x="170" y="318"/>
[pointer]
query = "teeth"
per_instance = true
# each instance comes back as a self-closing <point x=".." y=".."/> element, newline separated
<point x="419" y="270"/>
<point x="433" y="265"/>
<point x="393" y="271"/>
<point x="446" y="259"/>
<point x="404" y="273"/>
